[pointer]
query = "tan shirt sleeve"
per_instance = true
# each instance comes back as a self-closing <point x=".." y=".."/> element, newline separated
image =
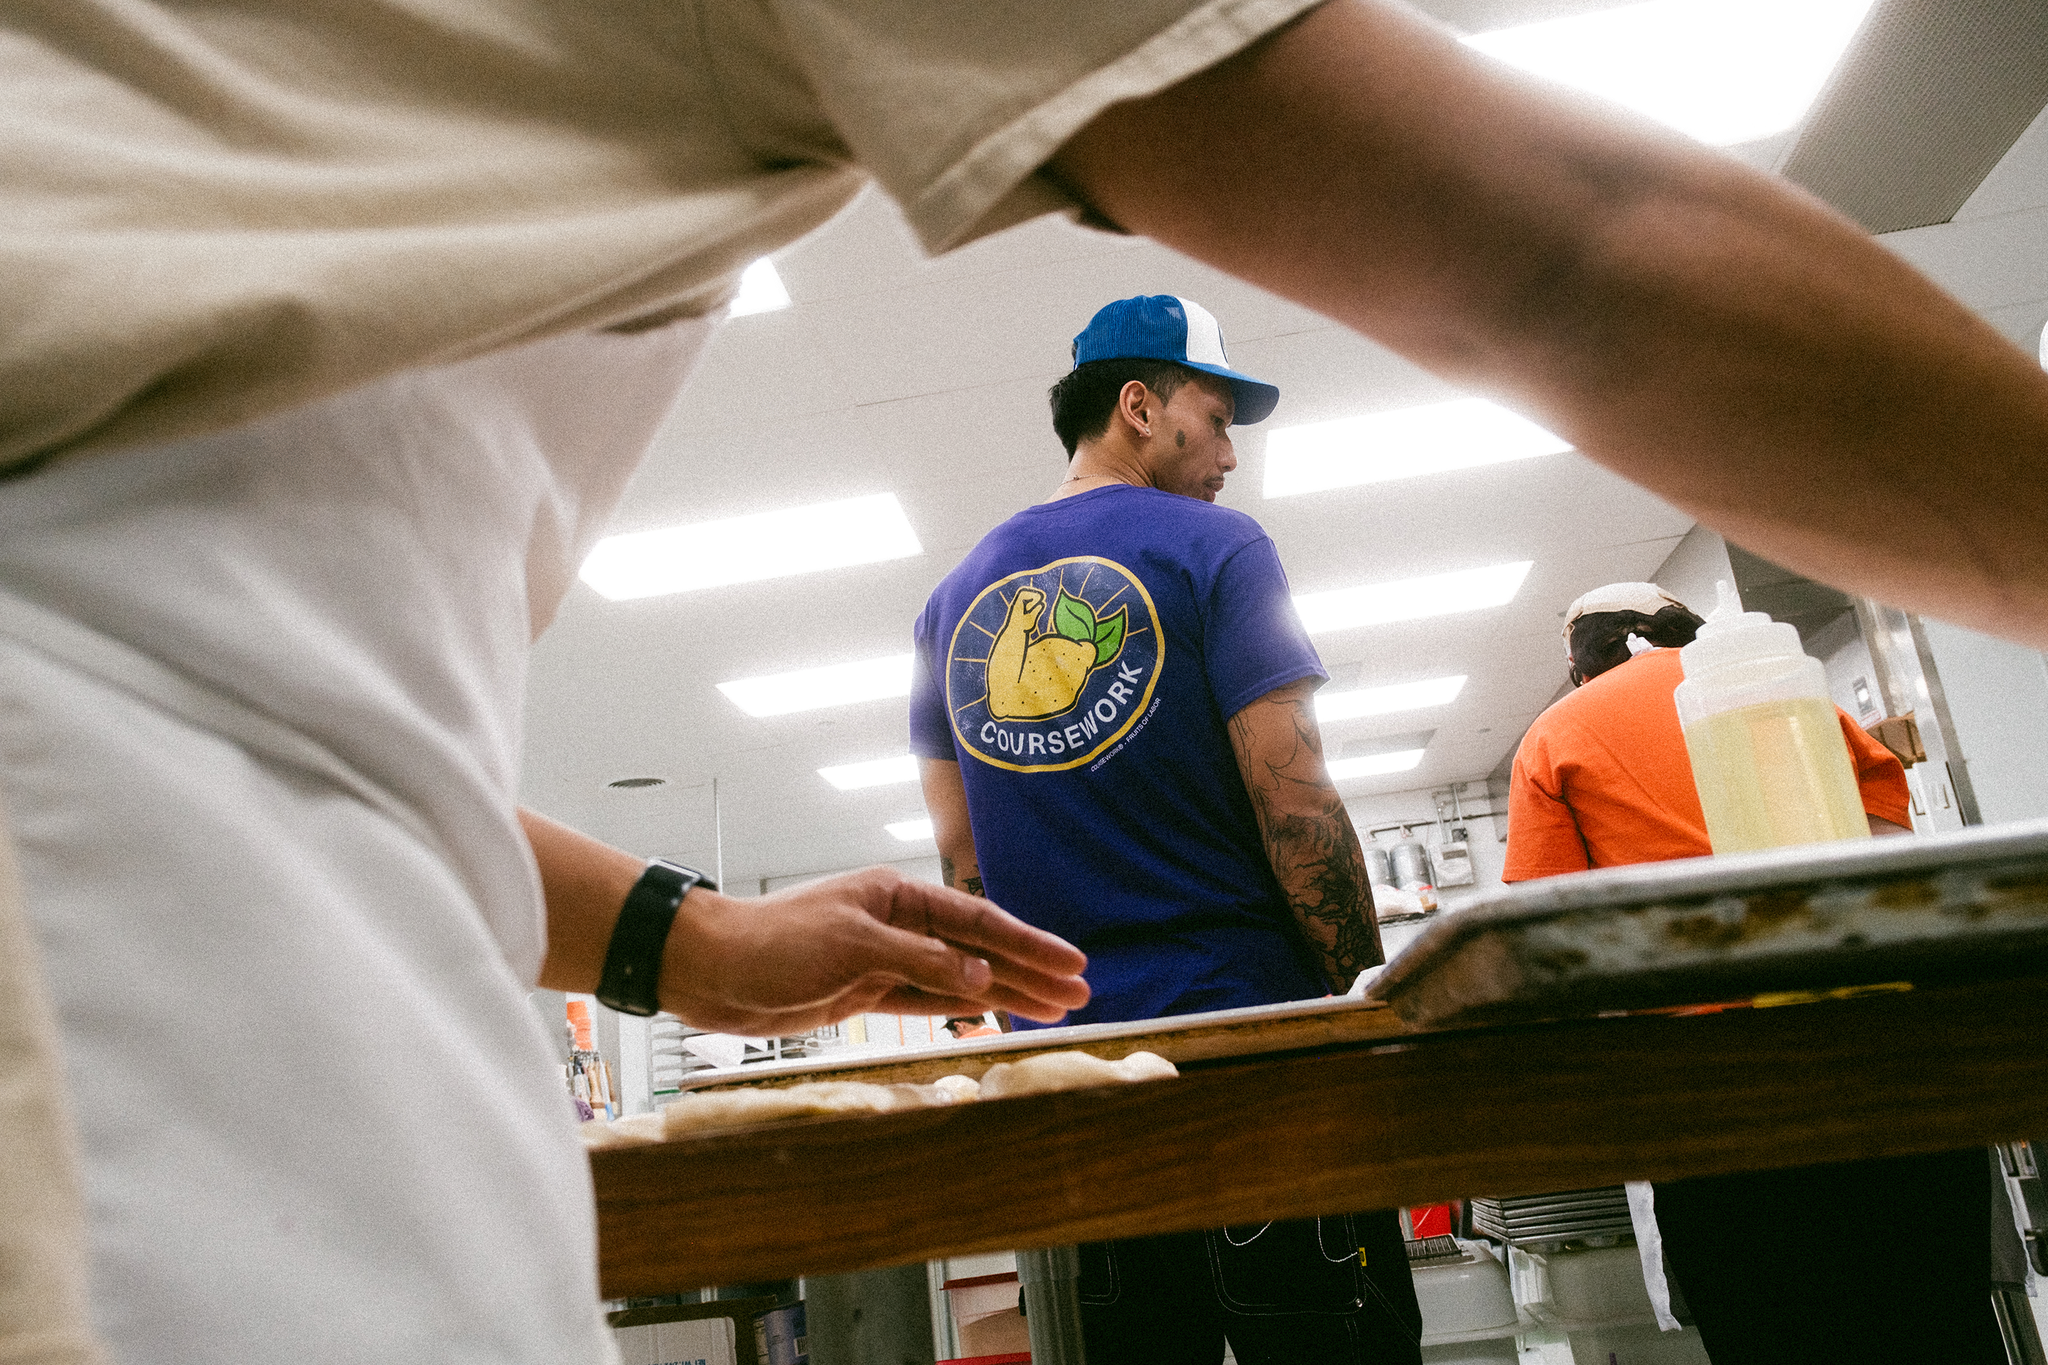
<point x="42" y="1222"/>
<point x="954" y="108"/>
<point x="217" y="212"/>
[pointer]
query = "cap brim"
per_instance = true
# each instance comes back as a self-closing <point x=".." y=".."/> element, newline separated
<point x="1255" y="399"/>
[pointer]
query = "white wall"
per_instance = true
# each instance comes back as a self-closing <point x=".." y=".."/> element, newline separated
<point x="1998" y="698"/>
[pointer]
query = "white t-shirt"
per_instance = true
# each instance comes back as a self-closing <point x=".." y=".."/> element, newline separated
<point x="263" y="619"/>
<point x="318" y="1117"/>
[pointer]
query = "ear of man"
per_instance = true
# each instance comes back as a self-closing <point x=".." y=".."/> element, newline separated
<point x="1135" y="405"/>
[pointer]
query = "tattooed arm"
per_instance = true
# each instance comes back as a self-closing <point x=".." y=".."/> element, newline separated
<point x="1308" y="835"/>
<point x="945" y="797"/>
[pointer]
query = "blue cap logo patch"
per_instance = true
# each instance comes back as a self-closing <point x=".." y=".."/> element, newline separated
<point x="1050" y="667"/>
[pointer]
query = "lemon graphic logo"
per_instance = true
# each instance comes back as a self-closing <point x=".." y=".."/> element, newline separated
<point x="1031" y="679"/>
<point x="1050" y="667"/>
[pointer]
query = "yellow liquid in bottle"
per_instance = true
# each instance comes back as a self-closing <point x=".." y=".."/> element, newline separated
<point x="1773" y="774"/>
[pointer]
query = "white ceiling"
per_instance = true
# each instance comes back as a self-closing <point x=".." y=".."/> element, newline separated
<point x="893" y="373"/>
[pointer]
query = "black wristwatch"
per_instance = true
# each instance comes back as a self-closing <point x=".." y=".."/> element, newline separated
<point x="631" y="978"/>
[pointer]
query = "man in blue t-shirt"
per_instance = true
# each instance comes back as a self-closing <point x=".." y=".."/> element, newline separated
<point x="1113" y="712"/>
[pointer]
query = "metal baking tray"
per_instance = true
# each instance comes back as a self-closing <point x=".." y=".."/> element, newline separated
<point x="1966" y="905"/>
<point x="1214" y="1036"/>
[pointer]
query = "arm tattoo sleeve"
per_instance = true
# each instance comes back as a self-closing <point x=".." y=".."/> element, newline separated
<point x="1307" y="832"/>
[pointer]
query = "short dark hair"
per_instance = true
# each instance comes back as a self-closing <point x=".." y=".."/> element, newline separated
<point x="1084" y="401"/>
<point x="1600" y="638"/>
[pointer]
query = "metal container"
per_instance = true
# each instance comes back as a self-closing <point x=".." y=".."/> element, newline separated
<point x="1411" y="865"/>
<point x="1454" y="864"/>
<point x="1379" y="869"/>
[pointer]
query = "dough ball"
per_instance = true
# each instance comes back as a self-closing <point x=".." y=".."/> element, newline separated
<point x="958" y="1089"/>
<point x="722" y="1109"/>
<point x="1069" y="1071"/>
<point x="1146" y="1066"/>
<point x="906" y="1096"/>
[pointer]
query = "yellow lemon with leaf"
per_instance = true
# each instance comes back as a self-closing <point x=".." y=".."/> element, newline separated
<point x="1036" y="673"/>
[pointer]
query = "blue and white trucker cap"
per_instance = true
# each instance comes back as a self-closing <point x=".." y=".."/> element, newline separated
<point x="1165" y="327"/>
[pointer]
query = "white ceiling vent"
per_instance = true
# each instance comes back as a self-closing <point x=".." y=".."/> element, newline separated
<point x="1928" y="98"/>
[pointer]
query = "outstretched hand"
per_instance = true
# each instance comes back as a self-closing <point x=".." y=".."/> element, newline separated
<point x="870" y="941"/>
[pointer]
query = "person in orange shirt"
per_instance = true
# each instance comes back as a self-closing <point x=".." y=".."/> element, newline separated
<point x="1865" y="1261"/>
<point x="1602" y="777"/>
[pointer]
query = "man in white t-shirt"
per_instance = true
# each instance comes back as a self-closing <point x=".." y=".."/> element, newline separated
<point x="330" y="336"/>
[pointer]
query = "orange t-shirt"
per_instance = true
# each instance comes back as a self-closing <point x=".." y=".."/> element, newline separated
<point x="1602" y="777"/>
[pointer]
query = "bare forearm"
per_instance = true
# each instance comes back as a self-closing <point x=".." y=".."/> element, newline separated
<point x="791" y="961"/>
<point x="1701" y="328"/>
<point x="961" y="871"/>
<point x="584" y="882"/>
<point x="945" y="800"/>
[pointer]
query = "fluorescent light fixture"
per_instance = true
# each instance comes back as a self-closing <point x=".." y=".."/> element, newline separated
<point x="877" y="772"/>
<point x="910" y="831"/>
<point x="1384" y="701"/>
<point x="1400" y="445"/>
<point x="1411" y="599"/>
<point x="712" y="554"/>
<point x="1722" y="71"/>
<point x="761" y="290"/>
<point x="1373" y="765"/>
<point x="811" y="689"/>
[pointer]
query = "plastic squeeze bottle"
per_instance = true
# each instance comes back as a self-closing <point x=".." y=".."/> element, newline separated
<point x="1767" y="750"/>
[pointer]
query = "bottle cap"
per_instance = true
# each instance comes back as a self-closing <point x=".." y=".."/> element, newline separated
<point x="1731" y="635"/>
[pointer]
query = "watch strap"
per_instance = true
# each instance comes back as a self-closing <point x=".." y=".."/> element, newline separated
<point x="631" y="979"/>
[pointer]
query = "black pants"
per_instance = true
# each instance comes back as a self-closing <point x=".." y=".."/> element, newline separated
<point x="1291" y="1293"/>
<point x="1864" y="1262"/>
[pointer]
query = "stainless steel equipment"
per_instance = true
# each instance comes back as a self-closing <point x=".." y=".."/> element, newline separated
<point x="1453" y="863"/>
<point x="1410" y="860"/>
<point x="1548" y="1221"/>
<point x="1379" y="869"/>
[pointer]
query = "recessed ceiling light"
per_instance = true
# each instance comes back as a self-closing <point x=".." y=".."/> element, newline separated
<point x="810" y="689"/>
<point x="636" y="783"/>
<point x="761" y="290"/>
<point x="1410" y="599"/>
<point x="910" y="831"/>
<point x="1372" y="765"/>
<point x="1400" y="445"/>
<point x="1384" y="701"/>
<point x="877" y="772"/>
<point x="711" y="554"/>
<point x="1722" y="71"/>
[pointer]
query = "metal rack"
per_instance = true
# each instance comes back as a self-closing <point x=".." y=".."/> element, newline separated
<point x="671" y="1060"/>
<point x="1542" y="1222"/>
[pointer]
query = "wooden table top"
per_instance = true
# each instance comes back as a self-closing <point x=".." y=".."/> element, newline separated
<point x="1336" y="1126"/>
